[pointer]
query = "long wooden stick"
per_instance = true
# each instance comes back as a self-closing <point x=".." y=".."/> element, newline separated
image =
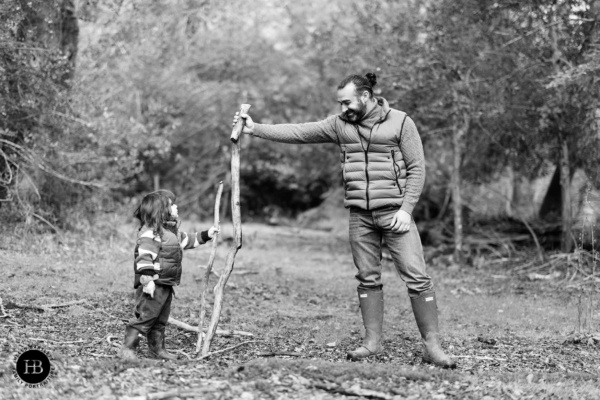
<point x="219" y="332"/>
<point x="211" y="260"/>
<point x="236" y="217"/>
<point x="236" y="133"/>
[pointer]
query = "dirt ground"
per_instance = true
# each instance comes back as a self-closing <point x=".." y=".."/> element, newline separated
<point x="294" y="290"/>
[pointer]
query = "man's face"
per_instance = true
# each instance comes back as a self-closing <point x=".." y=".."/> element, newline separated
<point x="354" y="107"/>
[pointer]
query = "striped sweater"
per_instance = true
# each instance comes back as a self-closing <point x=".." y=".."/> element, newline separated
<point x="162" y="256"/>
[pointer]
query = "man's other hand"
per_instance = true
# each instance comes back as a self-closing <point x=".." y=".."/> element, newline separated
<point x="401" y="222"/>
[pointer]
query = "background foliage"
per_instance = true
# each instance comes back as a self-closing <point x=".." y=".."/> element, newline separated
<point x="99" y="99"/>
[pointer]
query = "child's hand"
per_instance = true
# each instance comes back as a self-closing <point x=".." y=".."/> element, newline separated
<point x="213" y="231"/>
<point x="148" y="283"/>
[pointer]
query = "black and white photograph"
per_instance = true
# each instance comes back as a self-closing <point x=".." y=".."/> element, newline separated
<point x="300" y="199"/>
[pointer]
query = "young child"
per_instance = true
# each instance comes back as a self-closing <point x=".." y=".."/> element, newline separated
<point x="157" y="268"/>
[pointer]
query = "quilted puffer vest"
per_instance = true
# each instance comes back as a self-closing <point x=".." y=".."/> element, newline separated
<point x="373" y="168"/>
<point x="170" y="257"/>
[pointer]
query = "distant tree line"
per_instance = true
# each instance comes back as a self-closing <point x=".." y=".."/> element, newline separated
<point x="103" y="100"/>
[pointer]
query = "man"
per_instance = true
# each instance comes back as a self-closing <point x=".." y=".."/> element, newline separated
<point x="383" y="170"/>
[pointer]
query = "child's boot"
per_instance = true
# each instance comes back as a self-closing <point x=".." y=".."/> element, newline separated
<point x="156" y="344"/>
<point x="130" y="343"/>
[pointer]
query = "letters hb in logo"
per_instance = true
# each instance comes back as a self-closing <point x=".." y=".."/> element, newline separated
<point x="33" y="367"/>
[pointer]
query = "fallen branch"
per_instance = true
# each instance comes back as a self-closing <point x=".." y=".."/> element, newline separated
<point x="211" y="260"/>
<point x="538" y="247"/>
<point x="228" y="349"/>
<point x="236" y="217"/>
<point x="45" y="307"/>
<point x="219" y="332"/>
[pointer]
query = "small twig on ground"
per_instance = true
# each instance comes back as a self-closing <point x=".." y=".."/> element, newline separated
<point x="244" y="272"/>
<point x="101" y="355"/>
<point x="58" y="342"/>
<point x="278" y="353"/>
<point x="4" y="314"/>
<point x="109" y="337"/>
<point x="54" y="228"/>
<point x="182" y="352"/>
<point x="211" y="271"/>
<point x="213" y="353"/>
<point x="220" y="332"/>
<point x="70" y="303"/>
<point x="482" y="358"/>
<point x="196" y="393"/>
<point x="354" y="390"/>
<point x="114" y="316"/>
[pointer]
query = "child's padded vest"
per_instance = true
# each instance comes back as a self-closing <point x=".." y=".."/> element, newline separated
<point x="170" y="257"/>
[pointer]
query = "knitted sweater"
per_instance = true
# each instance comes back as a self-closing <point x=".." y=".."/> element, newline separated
<point x="333" y="130"/>
<point x="154" y="255"/>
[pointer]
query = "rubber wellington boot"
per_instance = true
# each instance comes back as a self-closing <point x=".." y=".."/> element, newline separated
<point x="130" y="344"/>
<point x="371" y="308"/>
<point x="426" y="315"/>
<point x="156" y="344"/>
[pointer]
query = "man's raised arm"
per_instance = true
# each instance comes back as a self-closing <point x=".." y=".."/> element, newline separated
<point x="311" y="132"/>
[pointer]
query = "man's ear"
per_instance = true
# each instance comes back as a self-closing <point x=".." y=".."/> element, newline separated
<point x="365" y="95"/>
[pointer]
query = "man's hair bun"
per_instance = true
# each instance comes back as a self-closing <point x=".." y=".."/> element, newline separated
<point x="372" y="78"/>
<point x="361" y="83"/>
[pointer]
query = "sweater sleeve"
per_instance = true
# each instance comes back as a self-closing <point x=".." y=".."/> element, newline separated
<point x="312" y="132"/>
<point x="146" y="262"/>
<point x="412" y="151"/>
<point x="192" y="240"/>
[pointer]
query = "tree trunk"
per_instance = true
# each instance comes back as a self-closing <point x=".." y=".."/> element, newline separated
<point x="457" y="138"/>
<point x="512" y="189"/>
<point x="156" y="180"/>
<point x="551" y="205"/>
<point x="69" y="37"/>
<point x="565" y="173"/>
<point x="566" y="241"/>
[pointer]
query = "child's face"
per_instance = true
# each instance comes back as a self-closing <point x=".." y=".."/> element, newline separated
<point x="174" y="212"/>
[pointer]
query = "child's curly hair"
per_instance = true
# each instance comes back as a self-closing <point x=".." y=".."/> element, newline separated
<point x="154" y="212"/>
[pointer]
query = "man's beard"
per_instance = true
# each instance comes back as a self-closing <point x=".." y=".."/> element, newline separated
<point x="356" y="115"/>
